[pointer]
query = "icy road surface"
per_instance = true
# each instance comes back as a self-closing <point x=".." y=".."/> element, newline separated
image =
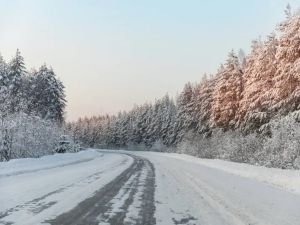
<point x="100" y="187"/>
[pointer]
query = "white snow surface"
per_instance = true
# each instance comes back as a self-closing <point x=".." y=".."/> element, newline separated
<point x="188" y="190"/>
<point x="285" y="179"/>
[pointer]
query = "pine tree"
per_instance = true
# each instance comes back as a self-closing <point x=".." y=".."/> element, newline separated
<point x="47" y="95"/>
<point x="227" y="93"/>
<point x="16" y="73"/>
<point x="4" y="88"/>
<point x="185" y="120"/>
<point x="259" y="71"/>
<point x="286" y="90"/>
<point x="203" y="104"/>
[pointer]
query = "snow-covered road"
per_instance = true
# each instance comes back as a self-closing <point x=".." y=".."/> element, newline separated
<point x="190" y="193"/>
<point x="100" y="187"/>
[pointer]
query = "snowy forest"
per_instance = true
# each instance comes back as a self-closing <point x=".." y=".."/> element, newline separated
<point x="32" y="107"/>
<point x="247" y="112"/>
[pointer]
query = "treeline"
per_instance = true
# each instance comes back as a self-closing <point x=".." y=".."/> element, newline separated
<point x="234" y="114"/>
<point x="32" y="107"/>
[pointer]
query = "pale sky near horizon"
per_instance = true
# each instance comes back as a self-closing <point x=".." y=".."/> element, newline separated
<point x="113" y="54"/>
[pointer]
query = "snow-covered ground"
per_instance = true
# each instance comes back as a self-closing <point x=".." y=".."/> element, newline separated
<point x="286" y="179"/>
<point x="111" y="187"/>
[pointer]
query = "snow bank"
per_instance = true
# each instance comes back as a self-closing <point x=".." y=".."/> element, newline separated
<point x="27" y="165"/>
<point x="285" y="179"/>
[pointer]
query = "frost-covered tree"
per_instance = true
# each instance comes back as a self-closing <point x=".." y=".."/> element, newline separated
<point x="227" y="93"/>
<point x="203" y="104"/>
<point x="162" y="121"/>
<point x="185" y="117"/>
<point x="47" y="98"/>
<point x="286" y="90"/>
<point x="4" y="88"/>
<point x="15" y="77"/>
<point x="258" y="74"/>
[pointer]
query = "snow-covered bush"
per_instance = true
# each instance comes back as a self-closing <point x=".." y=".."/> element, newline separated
<point x="233" y="146"/>
<point x="230" y="145"/>
<point x="244" y="148"/>
<point x="188" y="145"/>
<point x="158" y="146"/>
<point x="198" y="145"/>
<point x="22" y="136"/>
<point x="282" y="149"/>
<point x="64" y="145"/>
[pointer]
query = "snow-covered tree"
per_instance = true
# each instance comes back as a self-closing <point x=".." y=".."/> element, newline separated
<point x="203" y="104"/>
<point x="4" y="88"/>
<point x="47" y="98"/>
<point x="286" y="90"/>
<point x="185" y="117"/>
<point x="227" y="93"/>
<point x="15" y="76"/>
<point x="258" y="74"/>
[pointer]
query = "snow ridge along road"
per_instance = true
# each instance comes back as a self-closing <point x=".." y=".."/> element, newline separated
<point x="143" y="188"/>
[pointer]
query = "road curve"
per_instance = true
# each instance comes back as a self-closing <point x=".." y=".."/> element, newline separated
<point x="111" y="204"/>
<point x="142" y="188"/>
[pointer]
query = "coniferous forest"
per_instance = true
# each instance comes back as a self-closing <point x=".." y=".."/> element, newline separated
<point x="247" y="112"/>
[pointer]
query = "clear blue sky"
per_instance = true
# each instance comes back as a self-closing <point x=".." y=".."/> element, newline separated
<point x="112" y="54"/>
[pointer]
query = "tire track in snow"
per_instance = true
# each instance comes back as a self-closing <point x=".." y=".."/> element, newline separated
<point x="138" y="204"/>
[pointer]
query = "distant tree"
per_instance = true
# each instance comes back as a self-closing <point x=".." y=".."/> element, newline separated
<point x="185" y="120"/>
<point x="288" y="10"/>
<point x="15" y="76"/>
<point x="203" y="104"/>
<point x="4" y="88"/>
<point x="242" y="58"/>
